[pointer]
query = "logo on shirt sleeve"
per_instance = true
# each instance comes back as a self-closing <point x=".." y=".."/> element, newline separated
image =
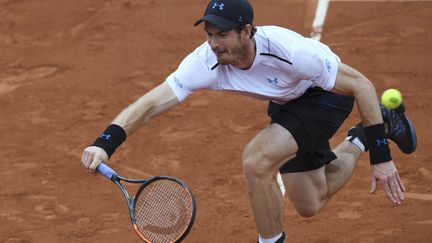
<point x="178" y="82"/>
<point x="328" y="65"/>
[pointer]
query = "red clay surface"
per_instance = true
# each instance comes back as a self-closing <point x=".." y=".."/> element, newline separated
<point x="68" y="67"/>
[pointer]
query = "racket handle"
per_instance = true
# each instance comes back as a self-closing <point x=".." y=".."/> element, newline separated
<point x="105" y="170"/>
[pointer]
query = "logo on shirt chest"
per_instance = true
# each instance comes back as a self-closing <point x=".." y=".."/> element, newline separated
<point x="273" y="80"/>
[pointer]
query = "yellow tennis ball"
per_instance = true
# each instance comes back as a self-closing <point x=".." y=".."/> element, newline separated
<point x="391" y="98"/>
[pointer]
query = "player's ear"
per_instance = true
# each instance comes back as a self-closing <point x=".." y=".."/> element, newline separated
<point x="248" y="30"/>
<point x="244" y="31"/>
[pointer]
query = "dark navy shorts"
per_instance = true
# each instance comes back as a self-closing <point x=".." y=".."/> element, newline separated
<point x="312" y="119"/>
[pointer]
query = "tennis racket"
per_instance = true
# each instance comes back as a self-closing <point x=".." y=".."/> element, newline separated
<point x="162" y="210"/>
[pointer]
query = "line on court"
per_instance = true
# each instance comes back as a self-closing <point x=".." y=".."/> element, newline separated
<point x="380" y="0"/>
<point x="319" y="19"/>
<point x="425" y="172"/>
<point x="139" y="172"/>
<point x="321" y="13"/>
<point x="372" y="21"/>
<point x="418" y="196"/>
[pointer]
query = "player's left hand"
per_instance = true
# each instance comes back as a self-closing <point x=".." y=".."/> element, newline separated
<point x="387" y="174"/>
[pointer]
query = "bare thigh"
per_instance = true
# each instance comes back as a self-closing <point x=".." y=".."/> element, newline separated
<point x="274" y="145"/>
<point x="306" y="190"/>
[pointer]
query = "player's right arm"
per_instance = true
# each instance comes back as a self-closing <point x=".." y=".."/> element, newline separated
<point x="153" y="103"/>
<point x="177" y="86"/>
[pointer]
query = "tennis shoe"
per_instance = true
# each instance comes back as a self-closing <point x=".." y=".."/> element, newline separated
<point x="399" y="128"/>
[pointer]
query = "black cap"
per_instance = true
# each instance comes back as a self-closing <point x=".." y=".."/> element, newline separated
<point x="227" y="14"/>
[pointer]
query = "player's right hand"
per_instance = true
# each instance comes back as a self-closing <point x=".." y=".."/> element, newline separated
<point x="92" y="156"/>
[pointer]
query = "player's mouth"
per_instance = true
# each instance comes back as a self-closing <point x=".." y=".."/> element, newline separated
<point x="219" y="52"/>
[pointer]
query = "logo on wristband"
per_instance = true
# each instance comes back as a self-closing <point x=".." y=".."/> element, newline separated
<point x="105" y="136"/>
<point x="380" y="142"/>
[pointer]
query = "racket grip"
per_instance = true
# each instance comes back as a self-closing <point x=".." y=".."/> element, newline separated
<point x="105" y="170"/>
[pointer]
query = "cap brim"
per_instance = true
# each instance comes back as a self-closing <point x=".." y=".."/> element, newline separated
<point x="221" y="23"/>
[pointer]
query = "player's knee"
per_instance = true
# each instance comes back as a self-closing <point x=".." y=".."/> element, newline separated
<point x="256" y="165"/>
<point x="308" y="210"/>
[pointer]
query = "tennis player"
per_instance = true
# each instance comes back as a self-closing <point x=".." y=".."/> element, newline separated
<point x="310" y="94"/>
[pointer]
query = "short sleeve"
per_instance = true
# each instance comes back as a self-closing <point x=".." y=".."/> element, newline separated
<point x="192" y="74"/>
<point x="315" y="62"/>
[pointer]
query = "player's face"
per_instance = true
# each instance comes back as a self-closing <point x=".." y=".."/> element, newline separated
<point x="228" y="46"/>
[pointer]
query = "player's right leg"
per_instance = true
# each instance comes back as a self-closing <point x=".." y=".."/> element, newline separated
<point x="311" y="190"/>
<point x="399" y="129"/>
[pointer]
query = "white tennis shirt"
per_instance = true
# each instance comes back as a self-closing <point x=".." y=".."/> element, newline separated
<point x="286" y="64"/>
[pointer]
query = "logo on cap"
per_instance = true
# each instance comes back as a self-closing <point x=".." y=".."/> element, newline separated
<point x="220" y="5"/>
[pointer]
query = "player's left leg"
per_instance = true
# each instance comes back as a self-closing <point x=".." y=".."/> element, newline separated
<point x="261" y="159"/>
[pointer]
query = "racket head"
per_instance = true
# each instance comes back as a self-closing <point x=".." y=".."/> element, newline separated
<point x="164" y="210"/>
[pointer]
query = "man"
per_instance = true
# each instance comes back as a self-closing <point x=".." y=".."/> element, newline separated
<point x="311" y="93"/>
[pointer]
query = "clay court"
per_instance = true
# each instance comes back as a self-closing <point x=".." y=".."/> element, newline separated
<point x="68" y="67"/>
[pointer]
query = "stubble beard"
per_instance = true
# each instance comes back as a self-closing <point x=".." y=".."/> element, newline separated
<point x="237" y="54"/>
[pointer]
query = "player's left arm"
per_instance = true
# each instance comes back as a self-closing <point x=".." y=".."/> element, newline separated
<point x="351" y="82"/>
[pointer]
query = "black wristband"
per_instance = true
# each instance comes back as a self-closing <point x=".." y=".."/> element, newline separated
<point x="379" y="150"/>
<point x="111" y="138"/>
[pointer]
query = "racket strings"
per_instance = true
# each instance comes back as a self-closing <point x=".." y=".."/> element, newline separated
<point x="163" y="211"/>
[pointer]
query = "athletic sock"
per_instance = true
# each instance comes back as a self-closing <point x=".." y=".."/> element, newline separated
<point x="357" y="136"/>
<point x="357" y="142"/>
<point x="277" y="239"/>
